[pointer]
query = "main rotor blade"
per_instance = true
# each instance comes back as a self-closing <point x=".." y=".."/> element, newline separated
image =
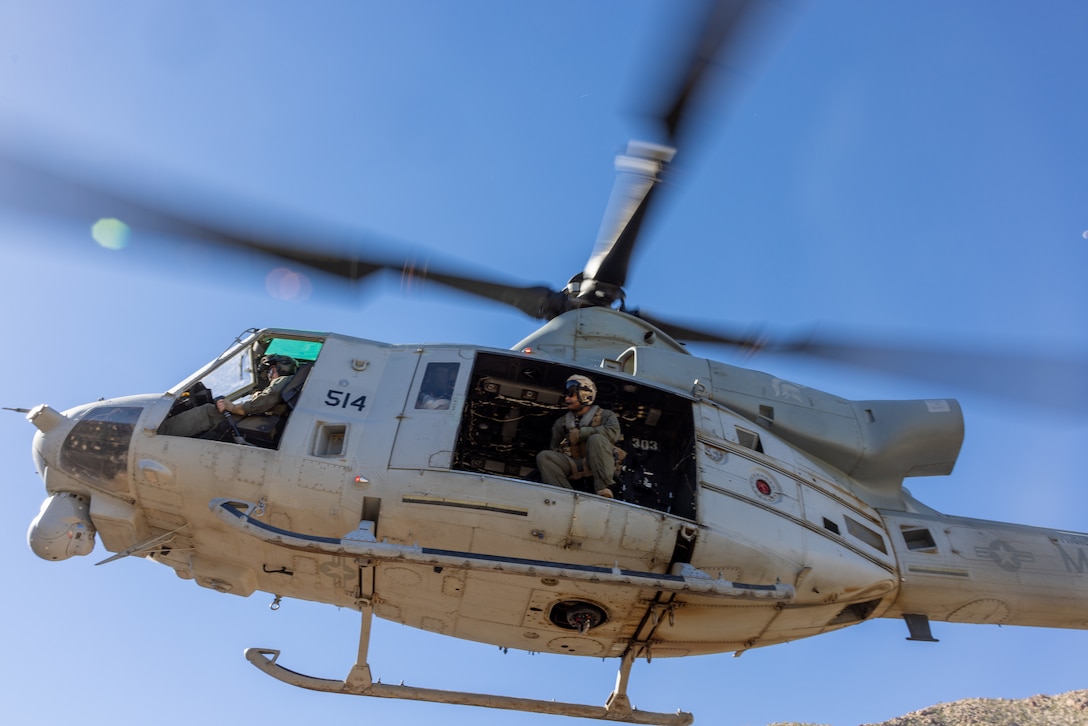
<point x="721" y="28"/>
<point x="32" y="188"/>
<point x="639" y="171"/>
<point x="642" y="167"/>
<point x="694" y="333"/>
<point x="1041" y="378"/>
<point x="1047" y="379"/>
<point x="535" y="301"/>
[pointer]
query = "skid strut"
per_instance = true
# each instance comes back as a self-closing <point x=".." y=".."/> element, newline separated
<point x="360" y="683"/>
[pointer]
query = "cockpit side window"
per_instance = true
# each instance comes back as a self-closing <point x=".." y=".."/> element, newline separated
<point x="260" y="406"/>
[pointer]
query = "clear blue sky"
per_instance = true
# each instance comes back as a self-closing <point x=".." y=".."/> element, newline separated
<point x="917" y="168"/>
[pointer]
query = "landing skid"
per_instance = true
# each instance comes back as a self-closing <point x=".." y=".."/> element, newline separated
<point x="360" y="683"/>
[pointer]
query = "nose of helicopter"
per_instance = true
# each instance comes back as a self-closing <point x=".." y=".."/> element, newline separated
<point x="84" y="447"/>
<point x="53" y="427"/>
<point x="63" y="527"/>
<point x="78" y="453"/>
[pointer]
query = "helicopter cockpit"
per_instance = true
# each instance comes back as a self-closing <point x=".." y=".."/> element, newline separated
<point x="237" y="377"/>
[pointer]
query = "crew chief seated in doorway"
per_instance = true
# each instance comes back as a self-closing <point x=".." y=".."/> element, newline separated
<point x="582" y="441"/>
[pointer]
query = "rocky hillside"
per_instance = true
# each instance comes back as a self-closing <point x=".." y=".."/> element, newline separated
<point x="1067" y="709"/>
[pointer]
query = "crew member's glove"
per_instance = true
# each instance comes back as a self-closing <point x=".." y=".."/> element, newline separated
<point x="574" y="436"/>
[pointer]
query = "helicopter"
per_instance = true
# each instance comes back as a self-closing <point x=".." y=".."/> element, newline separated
<point x="348" y="401"/>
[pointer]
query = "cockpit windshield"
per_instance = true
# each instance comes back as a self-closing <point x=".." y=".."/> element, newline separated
<point x="248" y="392"/>
<point x="233" y="373"/>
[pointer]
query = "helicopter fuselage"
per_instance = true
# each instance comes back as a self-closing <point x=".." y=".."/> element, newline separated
<point x="429" y="449"/>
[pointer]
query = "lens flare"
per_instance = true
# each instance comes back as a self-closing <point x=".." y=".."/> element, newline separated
<point x="288" y="285"/>
<point x="111" y="233"/>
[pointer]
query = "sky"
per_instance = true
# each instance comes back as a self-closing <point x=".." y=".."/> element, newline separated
<point x="912" y="171"/>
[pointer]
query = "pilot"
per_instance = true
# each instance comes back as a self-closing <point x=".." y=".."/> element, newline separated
<point x="208" y="418"/>
<point x="582" y="441"/>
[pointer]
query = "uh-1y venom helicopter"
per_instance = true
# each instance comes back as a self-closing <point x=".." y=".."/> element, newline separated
<point x="749" y="510"/>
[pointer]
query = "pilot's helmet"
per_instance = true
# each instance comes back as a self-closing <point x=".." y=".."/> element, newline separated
<point x="582" y="387"/>
<point x="285" y="366"/>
